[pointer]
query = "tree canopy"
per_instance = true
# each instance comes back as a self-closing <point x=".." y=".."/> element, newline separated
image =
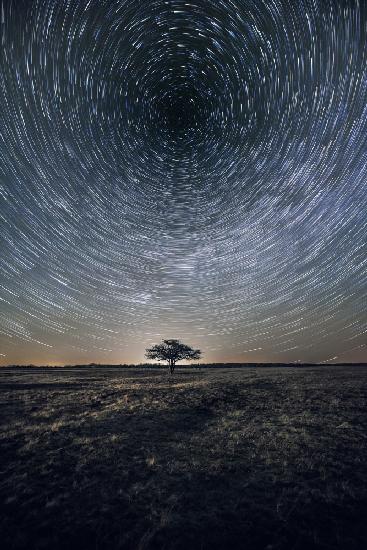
<point x="172" y="351"/>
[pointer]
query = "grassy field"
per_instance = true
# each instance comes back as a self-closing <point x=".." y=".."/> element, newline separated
<point x="267" y="458"/>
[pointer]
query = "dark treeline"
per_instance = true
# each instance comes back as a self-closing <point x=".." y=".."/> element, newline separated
<point x="197" y="366"/>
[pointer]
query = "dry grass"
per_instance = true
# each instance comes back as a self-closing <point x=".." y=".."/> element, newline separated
<point x="270" y="458"/>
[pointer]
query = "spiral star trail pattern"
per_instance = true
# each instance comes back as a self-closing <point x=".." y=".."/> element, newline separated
<point x="183" y="169"/>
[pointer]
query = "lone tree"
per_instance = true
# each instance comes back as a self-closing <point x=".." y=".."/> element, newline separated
<point x="172" y="351"/>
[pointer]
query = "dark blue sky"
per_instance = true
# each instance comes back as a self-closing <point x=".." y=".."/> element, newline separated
<point x="192" y="170"/>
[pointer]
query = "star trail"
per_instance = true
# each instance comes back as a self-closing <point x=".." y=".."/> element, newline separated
<point x="192" y="170"/>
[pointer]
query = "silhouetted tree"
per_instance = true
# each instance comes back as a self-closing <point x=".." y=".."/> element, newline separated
<point x="172" y="351"/>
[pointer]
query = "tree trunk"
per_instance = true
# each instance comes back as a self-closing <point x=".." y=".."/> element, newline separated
<point x="171" y="366"/>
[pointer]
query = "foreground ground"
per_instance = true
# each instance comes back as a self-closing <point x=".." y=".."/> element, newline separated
<point x="246" y="458"/>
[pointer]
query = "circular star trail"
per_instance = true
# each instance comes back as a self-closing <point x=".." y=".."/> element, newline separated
<point x="183" y="169"/>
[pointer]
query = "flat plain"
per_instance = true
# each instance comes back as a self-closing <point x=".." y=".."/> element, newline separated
<point x="252" y="458"/>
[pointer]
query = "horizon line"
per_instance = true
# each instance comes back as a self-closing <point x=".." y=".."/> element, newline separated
<point x="193" y="365"/>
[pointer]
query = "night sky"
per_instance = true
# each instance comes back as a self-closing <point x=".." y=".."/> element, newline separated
<point x="183" y="169"/>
